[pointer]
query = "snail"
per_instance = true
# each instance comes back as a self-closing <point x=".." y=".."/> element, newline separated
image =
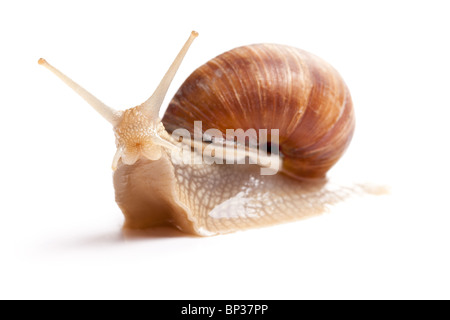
<point x="161" y="178"/>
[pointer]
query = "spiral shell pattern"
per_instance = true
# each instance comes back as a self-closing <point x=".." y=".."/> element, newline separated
<point x="268" y="86"/>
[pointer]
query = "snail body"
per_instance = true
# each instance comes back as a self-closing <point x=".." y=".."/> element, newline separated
<point x="258" y="87"/>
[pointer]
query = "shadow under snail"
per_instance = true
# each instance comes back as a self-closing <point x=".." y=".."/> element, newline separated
<point x="255" y="87"/>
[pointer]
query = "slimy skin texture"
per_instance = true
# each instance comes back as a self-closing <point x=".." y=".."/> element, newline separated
<point x="216" y="199"/>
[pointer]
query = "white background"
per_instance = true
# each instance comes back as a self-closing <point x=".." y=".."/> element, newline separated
<point x="61" y="232"/>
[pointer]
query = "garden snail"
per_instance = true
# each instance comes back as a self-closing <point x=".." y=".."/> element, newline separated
<point x="259" y="87"/>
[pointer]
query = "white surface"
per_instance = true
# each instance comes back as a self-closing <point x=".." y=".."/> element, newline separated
<point x="60" y="235"/>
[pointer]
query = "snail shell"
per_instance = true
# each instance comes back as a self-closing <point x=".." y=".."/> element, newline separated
<point x="263" y="86"/>
<point x="268" y="86"/>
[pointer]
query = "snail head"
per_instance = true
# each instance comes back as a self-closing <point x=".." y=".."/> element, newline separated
<point x="139" y="131"/>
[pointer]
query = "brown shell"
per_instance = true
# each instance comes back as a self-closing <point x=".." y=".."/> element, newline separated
<point x="268" y="86"/>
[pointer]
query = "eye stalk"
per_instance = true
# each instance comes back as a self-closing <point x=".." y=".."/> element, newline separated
<point x="153" y="104"/>
<point x="139" y="131"/>
<point x="111" y="115"/>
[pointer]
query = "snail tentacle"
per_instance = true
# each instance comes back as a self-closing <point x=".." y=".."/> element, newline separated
<point x="153" y="104"/>
<point x="111" y="115"/>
